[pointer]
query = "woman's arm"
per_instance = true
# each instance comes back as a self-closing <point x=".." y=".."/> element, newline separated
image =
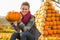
<point x="15" y="27"/>
<point x="28" y="26"/>
<point x="20" y="26"/>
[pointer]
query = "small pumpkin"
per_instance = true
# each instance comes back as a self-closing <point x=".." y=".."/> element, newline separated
<point x="54" y="27"/>
<point x="50" y="32"/>
<point x="48" y="19"/>
<point x="58" y="27"/>
<point x="13" y="16"/>
<point x="58" y="31"/>
<point x="54" y="31"/>
<point x="47" y="23"/>
<point x="47" y="4"/>
<point x="54" y="23"/>
<point x="51" y="23"/>
<point x="57" y="18"/>
<point x="49" y="11"/>
<point x="45" y="33"/>
<point x="57" y="15"/>
<point x="53" y="14"/>
<point x="53" y="18"/>
<point x="49" y="15"/>
<point x="45" y="27"/>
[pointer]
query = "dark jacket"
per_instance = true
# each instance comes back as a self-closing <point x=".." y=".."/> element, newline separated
<point x="30" y="27"/>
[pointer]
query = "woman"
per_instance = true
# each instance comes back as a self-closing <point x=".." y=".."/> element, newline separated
<point x="27" y="25"/>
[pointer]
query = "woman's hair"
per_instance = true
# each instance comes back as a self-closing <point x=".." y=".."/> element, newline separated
<point x="25" y="3"/>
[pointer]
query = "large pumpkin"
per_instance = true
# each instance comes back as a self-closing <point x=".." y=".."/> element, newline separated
<point x="13" y="16"/>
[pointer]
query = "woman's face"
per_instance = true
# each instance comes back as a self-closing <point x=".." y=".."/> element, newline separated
<point x="24" y="9"/>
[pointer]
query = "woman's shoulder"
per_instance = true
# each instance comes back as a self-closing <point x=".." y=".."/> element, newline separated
<point x="32" y="16"/>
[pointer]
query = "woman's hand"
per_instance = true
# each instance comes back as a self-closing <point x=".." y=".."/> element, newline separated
<point x="18" y="31"/>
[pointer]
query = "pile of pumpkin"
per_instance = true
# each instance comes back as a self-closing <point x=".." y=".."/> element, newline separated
<point x="5" y="36"/>
<point x="52" y="21"/>
<point x="40" y="16"/>
<point x="48" y="19"/>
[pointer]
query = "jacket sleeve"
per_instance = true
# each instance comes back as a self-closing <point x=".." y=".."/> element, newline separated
<point x="28" y="26"/>
<point x="14" y="26"/>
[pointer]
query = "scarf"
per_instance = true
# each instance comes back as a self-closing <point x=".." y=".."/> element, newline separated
<point x="26" y="18"/>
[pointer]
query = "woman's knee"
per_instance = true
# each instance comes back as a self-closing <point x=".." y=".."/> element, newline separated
<point x="14" y="36"/>
<point x="23" y="34"/>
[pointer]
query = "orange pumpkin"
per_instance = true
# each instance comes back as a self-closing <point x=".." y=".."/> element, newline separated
<point x="48" y="19"/>
<point x="54" y="31"/>
<point x="58" y="31"/>
<point x="54" y="22"/>
<point x="53" y="14"/>
<point x="51" y="23"/>
<point x="50" y="32"/>
<point x="49" y="15"/>
<point x="57" y="15"/>
<point x="58" y="27"/>
<point x="57" y="18"/>
<point x="53" y="11"/>
<point x="47" y="23"/>
<point x="53" y="18"/>
<point x="45" y="33"/>
<point x="55" y="27"/>
<point x="49" y="7"/>
<point x="45" y="27"/>
<point x="49" y="11"/>
<point x="13" y="16"/>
